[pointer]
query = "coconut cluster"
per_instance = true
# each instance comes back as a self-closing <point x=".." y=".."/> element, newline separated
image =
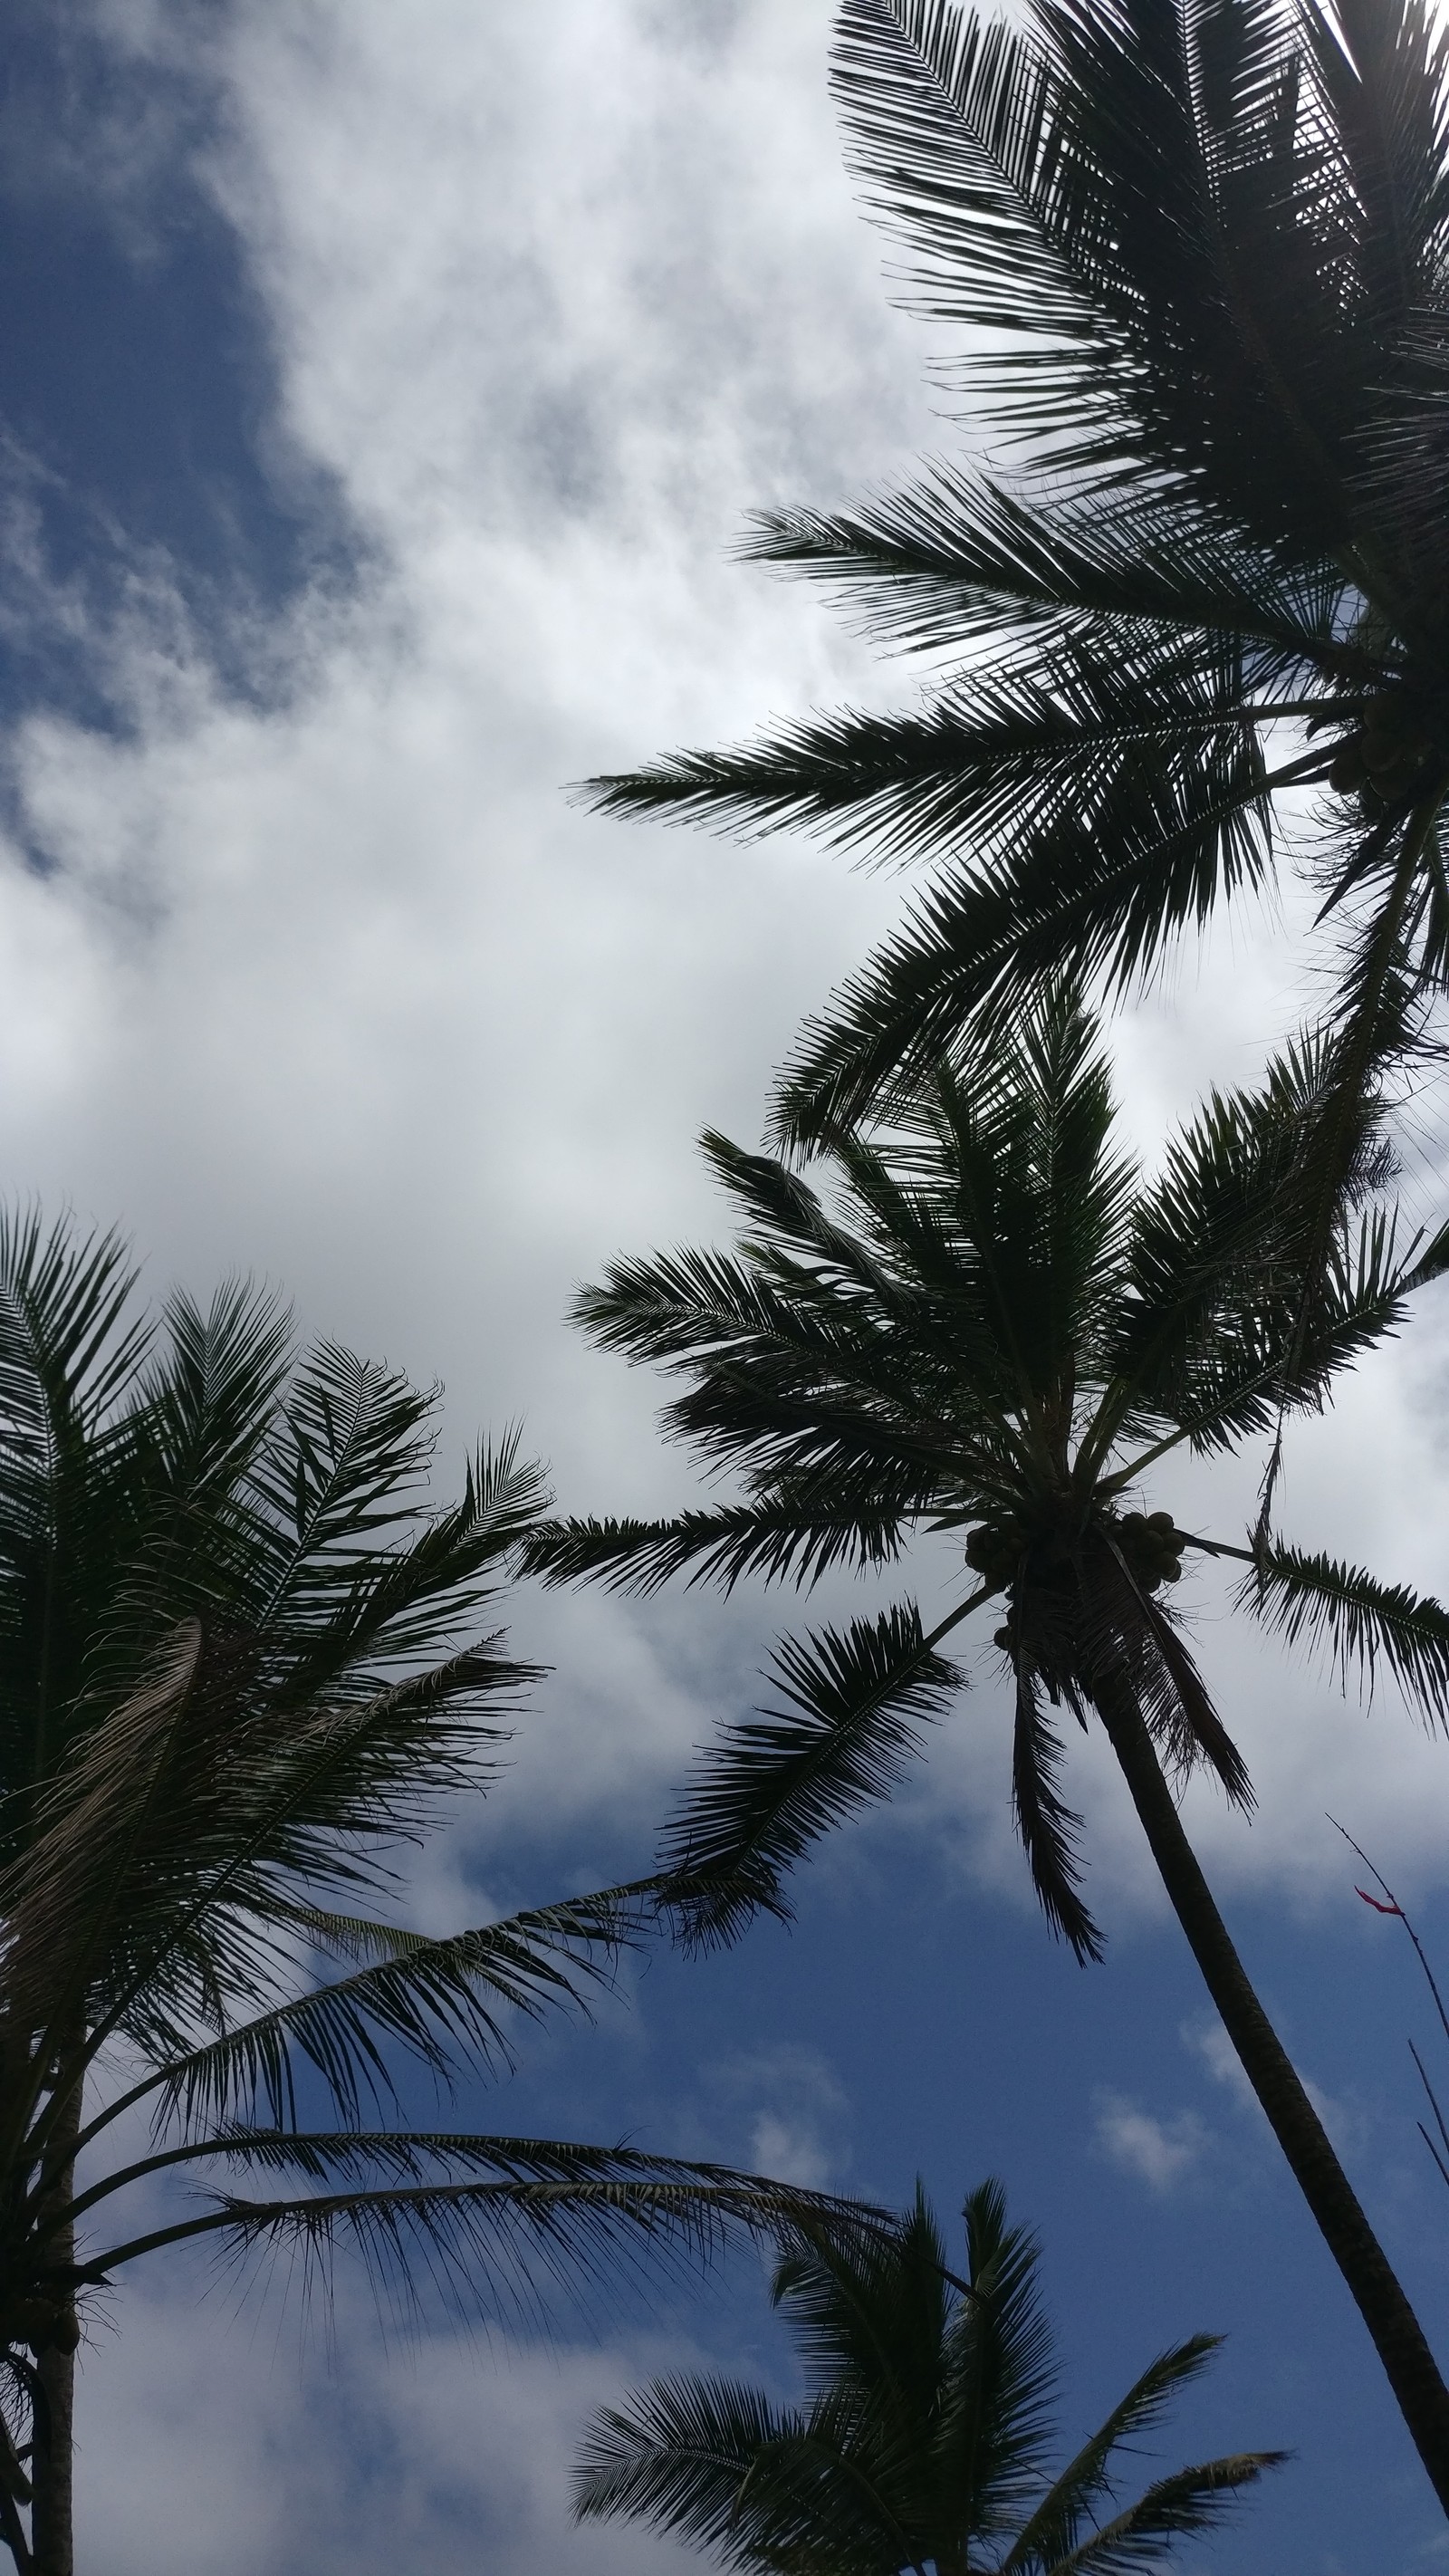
<point x="1150" y="1541"/>
<point x="1386" y="758"/>
<point x="46" y="2324"/>
<point x="995" y="1550"/>
<point x="1152" y="1547"/>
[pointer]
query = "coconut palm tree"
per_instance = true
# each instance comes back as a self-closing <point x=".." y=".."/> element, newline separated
<point x="996" y="1331"/>
<point x="241" y="1659"/>
<point x="1200" y="253"/>
<point x="924" y="2435"/>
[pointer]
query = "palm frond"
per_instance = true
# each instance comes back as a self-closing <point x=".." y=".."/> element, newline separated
<point x="1190" y="2501"/>
<point x="1001" y="2362"/>
<point x="1053" y="2530"/>
<point x="1050" y="1830"/>
<point x="854" y="1701"/>
<point x="1153" y="737"/>
<point x="694" y="2456"/>
<point x="446" y="2002"/>
<point x="777" y="1538"/>
<point x="149" y="1886"/>
<point x="953" y="128"/>
<point x="960" y="562"/>
<point x="1082" y="900"/>
<point x="508" y="2218"/>
<point x="1312" y="1599"/>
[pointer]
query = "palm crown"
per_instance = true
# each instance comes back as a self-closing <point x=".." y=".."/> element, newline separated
<point x="996" y="1332"/>
<point x="923" y="2437"/>
<point x="240" y="1657"/>
<point x="999" y="1331"/>
<point x="1203" y="253"/>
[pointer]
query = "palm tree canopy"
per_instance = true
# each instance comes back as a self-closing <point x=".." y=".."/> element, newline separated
<point x="1201" y="257"/>
<point x="995" y="1329"/>
<point x="242" y="1657"/>
<point x="923" y="2437"/>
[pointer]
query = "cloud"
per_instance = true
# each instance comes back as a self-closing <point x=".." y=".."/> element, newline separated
<point x="1349" y="2123"/>
<point x="795" y="2134"/>
<point x="338" y="989"/>
<point x="436" y="2455"/>
<point x="1159" y="2152"/>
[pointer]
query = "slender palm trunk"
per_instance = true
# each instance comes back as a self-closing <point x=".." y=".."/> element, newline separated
<point x="52" y="2539"/>
<point x="52" y="2544"/>
<point x="1398" y="2337"/>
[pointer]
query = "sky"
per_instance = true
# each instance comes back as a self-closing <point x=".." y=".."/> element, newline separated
<point x="381" y="392"/>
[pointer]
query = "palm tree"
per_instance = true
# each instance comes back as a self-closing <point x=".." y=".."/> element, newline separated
<point x="923" y="2439"/>
<point x="1202" y="252"/>
<point x="997" y="1331"/>
<point x="240" y="1660"/>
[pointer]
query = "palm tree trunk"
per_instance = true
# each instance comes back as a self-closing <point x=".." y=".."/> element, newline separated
<point x="52" y="2540"/>
<point x="52" y="2543"/>
<point x="1398" y="2337"/>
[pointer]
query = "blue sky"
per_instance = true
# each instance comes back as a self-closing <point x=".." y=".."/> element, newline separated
<point x="380" y="392"/>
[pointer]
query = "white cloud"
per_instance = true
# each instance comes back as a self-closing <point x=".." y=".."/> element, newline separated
<point x="791" y="2151"/>
<point x="1349" y="2123"/>
<point x="1159" y="2152"/>
<point x="340" y="991"/>
<point x="1209" y="2041"/>
<point x="795" y="2133"/>
<point x="435" y="2455"/>
<point x="343" y="992"/>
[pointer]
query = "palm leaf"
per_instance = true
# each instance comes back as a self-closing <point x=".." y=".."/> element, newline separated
<point x="446" y="2002"/>
<point x="1050" y="1830"/>
<point x="1080" y="901"/>
<point x="695" y="2456"/>
<point x="1001" y="2364"/>
<point x="1190" y="2501"/>
<point x="512" y="2216"/>
<point x="960" y="560"/>
<point x="776" y="1537"/>
<point x="1154" y="736"/>
<point x="1310" y="1598"/>
<point x="1054" y="2528"/>
<point x="853" y="1704"/>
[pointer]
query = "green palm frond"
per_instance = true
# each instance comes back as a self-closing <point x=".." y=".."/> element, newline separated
<point x="448" y="2003"/>
<point x="70" y="1349"/>
<point x="803" y="1381"/>
<point x="1056" y="2525"/>
<point x="1249" y="1283"/>
<point x="1151" y="741"/>
<point x="1178" y="2507"/>
<point x="1001" y="2360"/>
<point x="1310" y="1598"/>
<point x="143" y="1899"/>
<point x="1050" y="1830"/>
<point x="787" y="1536"/>
<point x="854" y="1701"/>
<point x="1085" y="899"/>
<point x="924" y="2434"/>
<point x="961" y="560"/>
<point x="679" y="2457"/>
<point x="516" y="2217"/>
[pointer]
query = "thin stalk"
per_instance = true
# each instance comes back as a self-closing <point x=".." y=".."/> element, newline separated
<point x="1397" y="2336"/>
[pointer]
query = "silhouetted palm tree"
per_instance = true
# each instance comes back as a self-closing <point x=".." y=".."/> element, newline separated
<point x="995" y="1329"/>
<point x="924" y="2436"/>
<point x="240" y="1661"/>
<point x="1203" y="254"/>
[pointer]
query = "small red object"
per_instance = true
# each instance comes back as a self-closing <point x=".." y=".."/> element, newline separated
<point x="1374" y="1902"/>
